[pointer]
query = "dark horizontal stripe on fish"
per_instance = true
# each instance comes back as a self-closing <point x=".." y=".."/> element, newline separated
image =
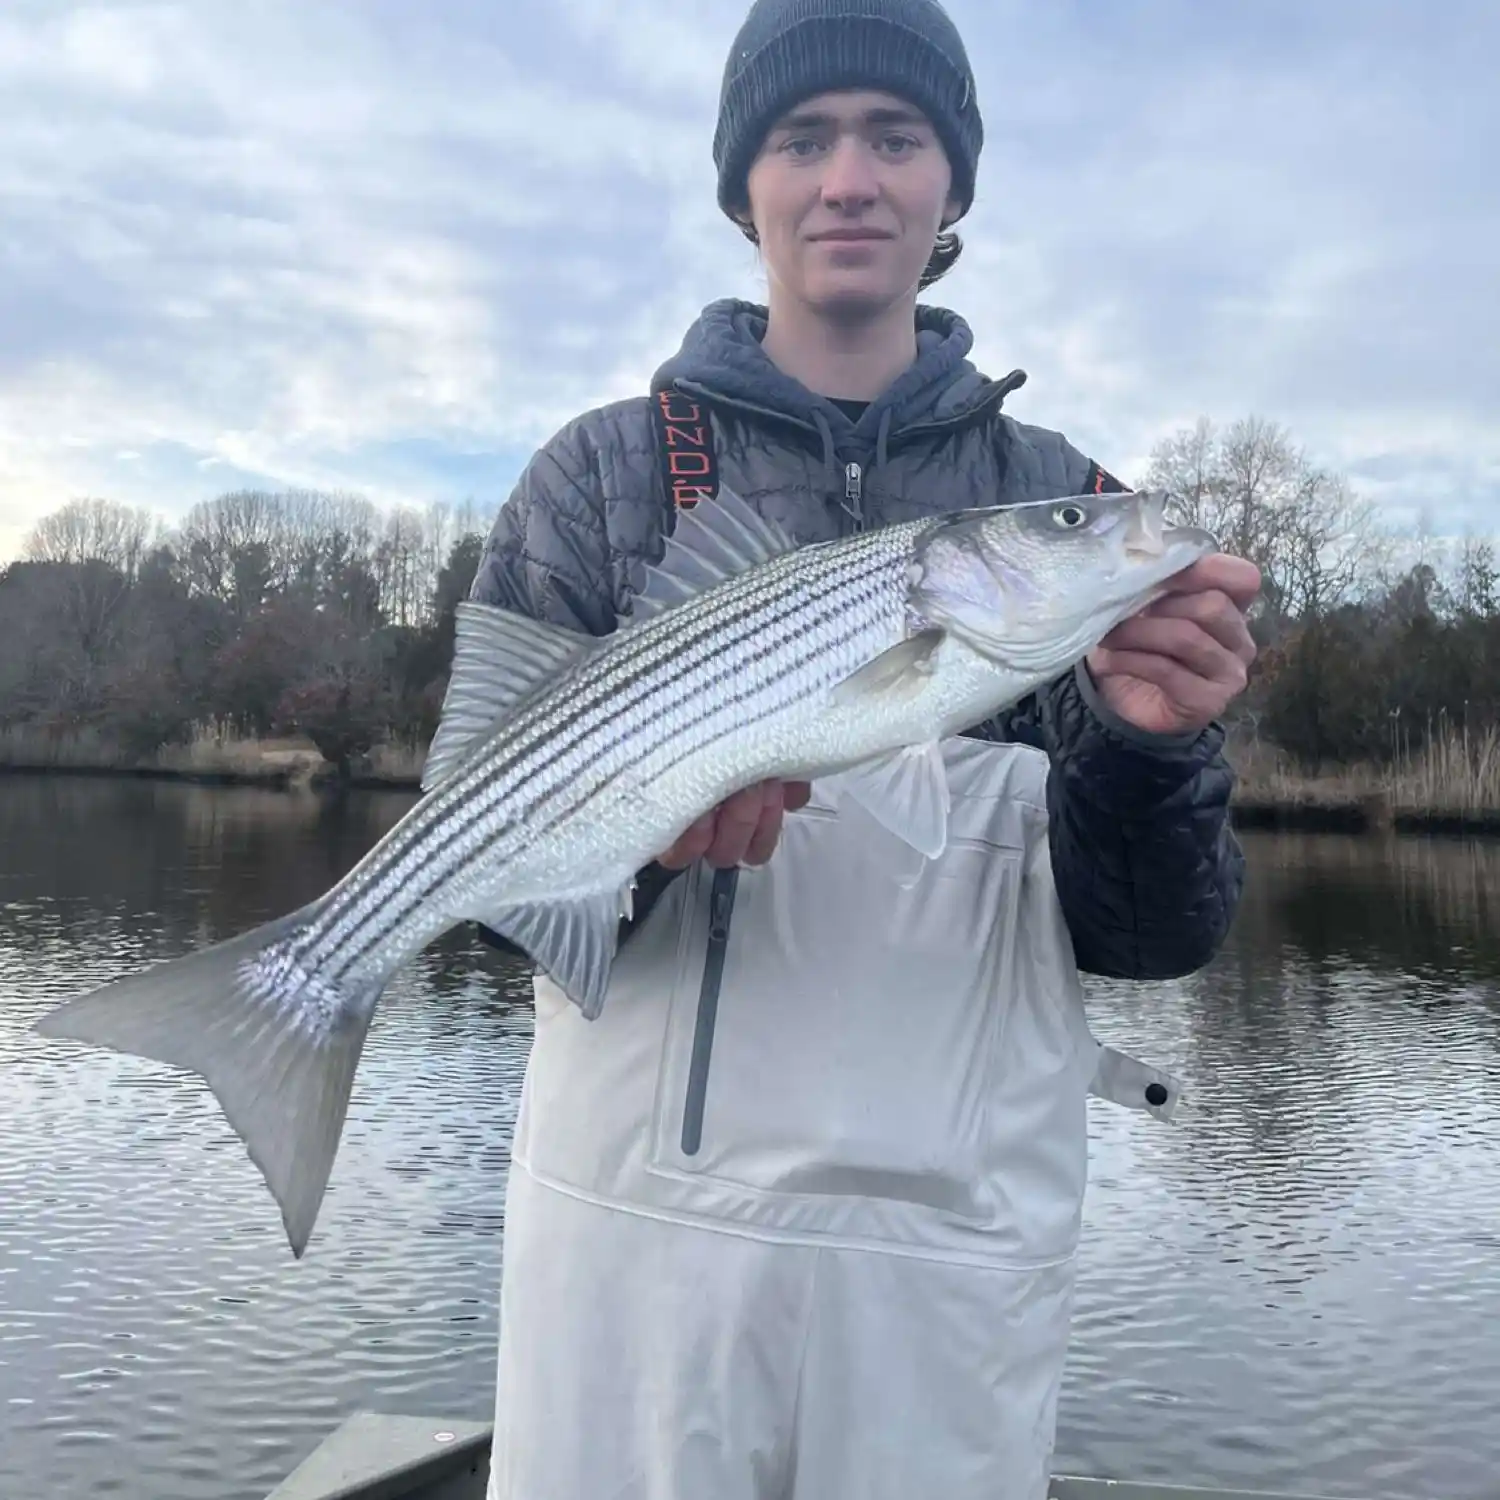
<point x="605" y="690"/>
<point x="615" y="685"/>
<point x="678" y="703"/>
<point x="385" y="888"/>
<point x="598" y="691"/>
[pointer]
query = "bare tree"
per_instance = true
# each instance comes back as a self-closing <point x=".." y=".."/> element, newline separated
<point x="1187" y="464"/>
<point x="248" y="545"/>
<point x="1478" y="590"/>
<point x="229" y="548"/>
<point x="88" y="555"/>
<point x="1314" y="540"/>
<point x="401" y="567"/>
<point x="447" y="526"/>
<point x="92" y="530"/>
<point x="270" y="610"/>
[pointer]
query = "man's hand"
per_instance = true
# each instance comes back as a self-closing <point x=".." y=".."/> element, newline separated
<point x="1175" y="667"/>
<point x="743" y="829"/>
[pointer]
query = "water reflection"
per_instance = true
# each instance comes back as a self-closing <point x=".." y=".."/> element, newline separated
<point x="1293" y="1287"/>
<point x="1426" y="906"/>
<point x="1290" y="1288"/>
<point x="206" y="861"/>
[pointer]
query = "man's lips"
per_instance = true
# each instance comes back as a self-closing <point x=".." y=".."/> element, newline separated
<point x="850" y="236"/>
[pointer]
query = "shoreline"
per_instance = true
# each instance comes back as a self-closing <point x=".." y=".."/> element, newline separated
<point x="1358" y="815"/>
<point x="266" y="778"/>
<point x="1312" y="811"/>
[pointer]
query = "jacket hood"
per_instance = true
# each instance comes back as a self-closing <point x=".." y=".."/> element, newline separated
<point x="721" y="359"/>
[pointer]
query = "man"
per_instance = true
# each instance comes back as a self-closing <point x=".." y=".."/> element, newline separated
<point x="831" y="1255"/>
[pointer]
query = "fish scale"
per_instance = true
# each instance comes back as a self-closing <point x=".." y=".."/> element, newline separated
<point x="563" y="764"/>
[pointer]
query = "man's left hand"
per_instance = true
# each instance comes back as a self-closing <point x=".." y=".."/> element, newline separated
<point x="1177" y="665"/>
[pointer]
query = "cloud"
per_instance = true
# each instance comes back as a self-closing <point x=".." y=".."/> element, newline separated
<point x="393" y="247"/>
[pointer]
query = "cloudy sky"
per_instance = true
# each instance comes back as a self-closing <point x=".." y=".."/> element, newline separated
<point x="387" y="247"/>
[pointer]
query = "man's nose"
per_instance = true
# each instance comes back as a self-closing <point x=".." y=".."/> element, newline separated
<point x="849" y="179"/>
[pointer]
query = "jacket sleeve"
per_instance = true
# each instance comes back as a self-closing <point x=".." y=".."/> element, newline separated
<point x="1146" y="863"/>
<point x="548" y="557"/>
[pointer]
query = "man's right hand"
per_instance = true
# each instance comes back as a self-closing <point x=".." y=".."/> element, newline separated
<point x="742" y="830"/>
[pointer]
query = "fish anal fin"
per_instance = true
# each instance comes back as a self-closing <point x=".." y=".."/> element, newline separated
<point x="574" y="941"/>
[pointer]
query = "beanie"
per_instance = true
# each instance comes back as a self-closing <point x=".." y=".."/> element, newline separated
<point x="790" y="50"/>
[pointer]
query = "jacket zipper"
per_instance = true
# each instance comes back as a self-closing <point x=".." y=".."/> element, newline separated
<point x="720" y="907"/>
<point x="854" y="480"/>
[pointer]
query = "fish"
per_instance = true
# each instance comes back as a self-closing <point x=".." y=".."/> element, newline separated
<point x="563" y="764"/>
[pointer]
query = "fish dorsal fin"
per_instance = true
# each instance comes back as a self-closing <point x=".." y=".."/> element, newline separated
<point x="498" y="657"/>
<point x="718" y="539"/>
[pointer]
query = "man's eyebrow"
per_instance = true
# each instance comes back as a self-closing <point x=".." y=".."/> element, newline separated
<point x="811" y="119"/>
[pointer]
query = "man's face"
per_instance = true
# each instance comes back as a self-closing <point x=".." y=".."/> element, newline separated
<point x="848" y="195"/>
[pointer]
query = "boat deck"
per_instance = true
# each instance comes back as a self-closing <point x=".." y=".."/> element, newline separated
<point x="378" y="1457"/>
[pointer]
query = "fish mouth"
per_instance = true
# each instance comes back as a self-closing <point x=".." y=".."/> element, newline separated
<point x="1199" y="538"/>
<point x="1149" y="535"/>
<point x="1161" y="557"/>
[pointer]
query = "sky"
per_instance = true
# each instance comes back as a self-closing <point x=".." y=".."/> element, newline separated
<point x="391" y="248"/>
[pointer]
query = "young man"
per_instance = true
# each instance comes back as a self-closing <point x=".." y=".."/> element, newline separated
<point x="831" y="1256"/>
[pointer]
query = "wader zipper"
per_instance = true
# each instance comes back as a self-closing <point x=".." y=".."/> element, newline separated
<point x="720" y="905"/>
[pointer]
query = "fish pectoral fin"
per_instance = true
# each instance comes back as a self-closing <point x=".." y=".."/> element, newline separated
<point x="716" y="540"/>
<point x="498" y="657"/>
<point x="574" y="941"/>
<point x="277" y="1045"/>
<point x="903" y="669"/>
<point x="906" y="793"/>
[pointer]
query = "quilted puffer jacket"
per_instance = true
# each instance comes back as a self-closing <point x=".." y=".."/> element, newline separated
<point x="1146" y="865"/>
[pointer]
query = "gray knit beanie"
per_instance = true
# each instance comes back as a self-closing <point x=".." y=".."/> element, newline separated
<point x="789" y="50"/>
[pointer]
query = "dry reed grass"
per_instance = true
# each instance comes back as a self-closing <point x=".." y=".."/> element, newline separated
<point x="208" y="756"/>
<point x="1457" y="774"/>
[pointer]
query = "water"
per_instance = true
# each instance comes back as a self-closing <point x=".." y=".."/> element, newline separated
<point x="1295" y="1287"/>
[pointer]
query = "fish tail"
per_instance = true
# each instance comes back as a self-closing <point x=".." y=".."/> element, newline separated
<point x="275" y="1041"/>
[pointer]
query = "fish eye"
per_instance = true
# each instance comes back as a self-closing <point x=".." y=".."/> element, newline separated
<point x="1069" y="516"/>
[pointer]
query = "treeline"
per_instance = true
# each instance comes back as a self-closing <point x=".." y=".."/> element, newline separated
<point x="1373" y="645"/>
<point x="319" y="615"/>
<point x="296" y="613"/>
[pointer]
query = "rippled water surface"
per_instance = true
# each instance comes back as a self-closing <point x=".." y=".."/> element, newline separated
<point x="1296" y="1286"/>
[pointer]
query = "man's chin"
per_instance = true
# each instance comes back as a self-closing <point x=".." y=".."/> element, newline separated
<point x="852" y="303"/>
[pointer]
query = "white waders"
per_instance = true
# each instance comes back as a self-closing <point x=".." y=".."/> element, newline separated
<point x="856" y="1285"/>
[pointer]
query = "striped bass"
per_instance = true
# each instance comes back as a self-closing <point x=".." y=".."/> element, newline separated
<point x="563" y="764"/>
